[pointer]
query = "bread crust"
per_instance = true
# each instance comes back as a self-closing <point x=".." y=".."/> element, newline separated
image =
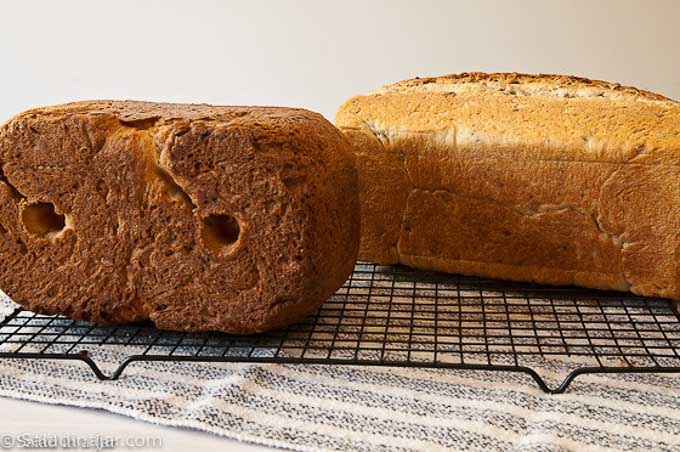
<point x="199" y="218"/>
<point x="542" y="178"/>
<point x="546" y="84"/>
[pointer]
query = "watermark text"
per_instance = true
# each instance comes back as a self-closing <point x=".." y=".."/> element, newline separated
<point x="27" y="440"/>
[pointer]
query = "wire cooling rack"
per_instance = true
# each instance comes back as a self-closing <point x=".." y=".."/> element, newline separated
<point x="396" y="316"/>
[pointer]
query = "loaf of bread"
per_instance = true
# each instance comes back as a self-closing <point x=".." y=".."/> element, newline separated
<point x="196" y="217"/>
<point x="542" y="178"/>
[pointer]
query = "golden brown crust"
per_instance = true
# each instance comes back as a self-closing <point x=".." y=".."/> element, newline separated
<point x="550" y="179"/>
<point x="197" y="217"/>
<point x="553" y="82"/>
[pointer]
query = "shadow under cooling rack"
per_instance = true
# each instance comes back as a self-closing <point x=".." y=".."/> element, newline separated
<point x="396" y="316"/>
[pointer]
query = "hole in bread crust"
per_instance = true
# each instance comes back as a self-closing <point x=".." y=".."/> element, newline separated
<point x="41" y="219"/>
<point x="219" y="232"/>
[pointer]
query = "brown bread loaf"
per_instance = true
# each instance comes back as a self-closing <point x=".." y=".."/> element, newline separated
<point x="235" y="219"/>
<point x="550" y="179"/>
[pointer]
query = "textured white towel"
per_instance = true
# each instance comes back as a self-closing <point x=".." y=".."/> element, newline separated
<point x="318" y="407"/>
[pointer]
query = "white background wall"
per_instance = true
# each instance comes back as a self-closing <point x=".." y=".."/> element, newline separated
<point x="315" y="54"/>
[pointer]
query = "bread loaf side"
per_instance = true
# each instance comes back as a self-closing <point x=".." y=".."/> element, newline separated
<point x="542" y="178"/>
<point x="199" y="218"/>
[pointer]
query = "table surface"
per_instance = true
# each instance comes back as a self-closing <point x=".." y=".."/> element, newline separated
<point x="38" y="419"/>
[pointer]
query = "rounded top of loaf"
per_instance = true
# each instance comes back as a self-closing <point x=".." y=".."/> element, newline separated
<point x="513" y="83"/>
<point x="548" y="116"/>
<point x="133" y="110"/>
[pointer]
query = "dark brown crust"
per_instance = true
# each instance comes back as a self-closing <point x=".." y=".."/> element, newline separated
<point x="519" y="78"/>
<point x="137" y="182"/>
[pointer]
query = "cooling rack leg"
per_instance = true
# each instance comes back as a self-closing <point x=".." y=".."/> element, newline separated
<point x="613" y="370"/>
<point x="532" y="373"/>
<point x="541" y="384"/>
<point x="119" y="371"/>
<point x="81" y="356"/>
<point x="516" y="369"/>
<point x="84" y="357"/>
<point x="567" y="381"/>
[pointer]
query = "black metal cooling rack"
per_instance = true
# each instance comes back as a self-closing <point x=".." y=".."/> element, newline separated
<point x="396" y="316"/>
